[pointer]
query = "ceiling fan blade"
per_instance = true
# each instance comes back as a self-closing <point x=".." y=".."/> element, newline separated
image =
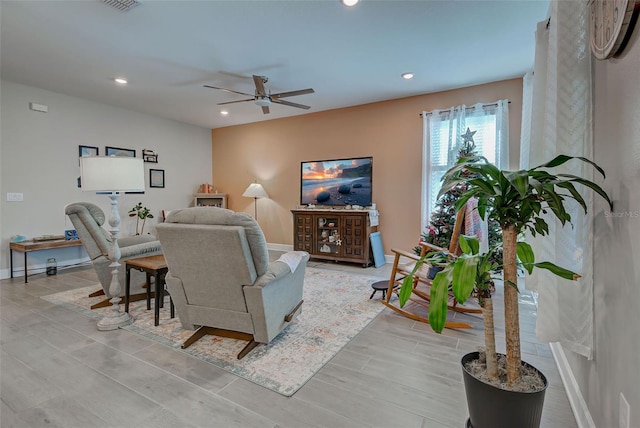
<point x="290" y="104"/>
<point x="238" y="101"/>
<point x="265" y="109"/>
<point x="228" y="90"/>
<point x="292" y="93"/>
<point x="259" y="85"/>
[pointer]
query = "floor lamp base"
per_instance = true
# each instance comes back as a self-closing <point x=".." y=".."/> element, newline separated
<point x="115" y="322"/>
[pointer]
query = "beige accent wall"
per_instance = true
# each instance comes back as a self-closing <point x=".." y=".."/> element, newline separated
<point x="390" y="131"/>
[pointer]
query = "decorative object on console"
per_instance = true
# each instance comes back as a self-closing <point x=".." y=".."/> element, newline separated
<point x="207" y="188"/>
<point x="255" y="191"/>
<point x="340" y="182"/>
<point x="114" y="174"/>
<point x="156" y="178"/>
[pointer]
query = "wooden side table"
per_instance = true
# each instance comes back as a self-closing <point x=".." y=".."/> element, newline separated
<point x="155" y="266"/>
<point x="28" y="246"/>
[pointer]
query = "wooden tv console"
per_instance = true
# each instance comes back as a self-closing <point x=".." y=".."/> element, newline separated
<point x="339" y="235"/>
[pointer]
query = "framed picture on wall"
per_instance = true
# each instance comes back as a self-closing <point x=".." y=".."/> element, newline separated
<point x="149" y="156"/>
<point x="118" y="151"/>
<point x="88" y="151"/>
<point x="156" y="178"/>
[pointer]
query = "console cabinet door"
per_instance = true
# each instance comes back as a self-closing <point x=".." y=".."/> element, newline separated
<point x="328" y="237"/>
<point x="355" y="238"/>
<point x="304" y="227"/>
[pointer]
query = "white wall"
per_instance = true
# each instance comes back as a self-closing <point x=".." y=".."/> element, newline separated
<point x="614" y="369"/>
<point x="39" y="158"/>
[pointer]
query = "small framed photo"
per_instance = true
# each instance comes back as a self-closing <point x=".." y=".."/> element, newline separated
<point x="88" y="151"/>
<point x="149" y="156"/>
<point x="118" y="151"/>
<point x="156" y="178"/>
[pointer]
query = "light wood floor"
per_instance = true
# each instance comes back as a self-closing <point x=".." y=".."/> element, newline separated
<point x="57" y="370"/>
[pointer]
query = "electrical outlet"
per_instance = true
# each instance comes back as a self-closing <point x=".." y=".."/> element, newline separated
<point x="624" y="420"/>
<point x="15" y="197"/>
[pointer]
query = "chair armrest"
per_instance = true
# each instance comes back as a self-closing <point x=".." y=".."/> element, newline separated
<point x="428" y="248"/>
<point x="277" y="270"/>
<point x="412" y="256"/>
<point x="127" y="241"/>
<point x="144" y="249"/>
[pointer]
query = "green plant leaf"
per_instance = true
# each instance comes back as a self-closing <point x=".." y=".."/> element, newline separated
<point x="557" y="270"/>
<point x="525" y="255"/>
<point x="438" y="299"/>
<point x="519" y="180"/>
<point x="469" y="244"/>
<point x="405" y="290"/>
<point x="464" y="276"/>
<point x="590" y="184"/>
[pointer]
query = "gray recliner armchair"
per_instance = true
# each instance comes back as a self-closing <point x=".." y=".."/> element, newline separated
<point x="87" y="219"/>
<point x="220" y="278"/>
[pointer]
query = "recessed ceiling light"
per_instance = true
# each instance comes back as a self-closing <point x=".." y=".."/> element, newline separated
<point x="407" y="75"/>
<point x="349" y="2"/>
<point x="224" y="112"/>
<point x="121" y="81"/>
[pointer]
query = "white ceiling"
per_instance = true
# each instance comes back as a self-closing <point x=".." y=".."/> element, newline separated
<point x="169" y="49"/>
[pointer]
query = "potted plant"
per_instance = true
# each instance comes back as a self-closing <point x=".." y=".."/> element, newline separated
<point x="517" y="200"/>
<point x="141" y="213"/>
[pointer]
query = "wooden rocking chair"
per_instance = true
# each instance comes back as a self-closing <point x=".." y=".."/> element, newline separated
<point x="420" y="294"/>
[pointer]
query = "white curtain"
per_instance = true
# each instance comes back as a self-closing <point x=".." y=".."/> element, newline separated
<point x="442" y="137"/>
<point x="557" y="119"/>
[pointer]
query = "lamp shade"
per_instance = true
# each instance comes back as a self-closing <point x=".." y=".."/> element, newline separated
<point x="112" y="174"/>
<point x="255" y="190"/>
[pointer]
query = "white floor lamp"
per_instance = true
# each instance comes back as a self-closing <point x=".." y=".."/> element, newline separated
<point x="113" y="175"/>
<point x="255" y="191"/>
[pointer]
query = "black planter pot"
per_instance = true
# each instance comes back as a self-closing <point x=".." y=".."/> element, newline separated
<point x="433" y="271"/>
<point x="492" y="407"/>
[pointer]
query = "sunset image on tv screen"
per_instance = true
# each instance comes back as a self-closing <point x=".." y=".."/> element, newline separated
<point x="336" y="182"/>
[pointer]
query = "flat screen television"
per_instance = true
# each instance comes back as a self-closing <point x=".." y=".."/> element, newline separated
<point x="336" y="182"/>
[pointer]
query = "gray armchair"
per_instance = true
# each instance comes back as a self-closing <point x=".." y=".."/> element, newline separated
<point x="88" y="219"/>
<point x="220" y="278"/>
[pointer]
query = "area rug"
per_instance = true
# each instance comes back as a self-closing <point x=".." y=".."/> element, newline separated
<point x="336" y="308"/>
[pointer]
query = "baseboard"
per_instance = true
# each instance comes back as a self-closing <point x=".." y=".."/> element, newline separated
<point x="41" y="268"/>
<point x="578" y="405"/>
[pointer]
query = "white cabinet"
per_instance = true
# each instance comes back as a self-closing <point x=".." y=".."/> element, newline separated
<point x="210" y="200"/>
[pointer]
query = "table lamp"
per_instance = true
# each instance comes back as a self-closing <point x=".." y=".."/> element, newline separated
<point x="113" y="175"/>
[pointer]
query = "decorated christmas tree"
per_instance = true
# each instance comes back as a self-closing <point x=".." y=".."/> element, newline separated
<point x="443" y="216"/>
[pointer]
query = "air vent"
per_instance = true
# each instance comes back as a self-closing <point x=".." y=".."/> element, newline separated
<point x="121" y="5"/>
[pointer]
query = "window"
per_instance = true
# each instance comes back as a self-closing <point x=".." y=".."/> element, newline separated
<point x="443" y="130"/>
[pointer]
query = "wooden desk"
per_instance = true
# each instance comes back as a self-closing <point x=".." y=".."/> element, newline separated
<point x="29" y="246"/>
<point x="155" y="266"/>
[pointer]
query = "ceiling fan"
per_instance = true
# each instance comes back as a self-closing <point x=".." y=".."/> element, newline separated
<point x="264" y="99"/>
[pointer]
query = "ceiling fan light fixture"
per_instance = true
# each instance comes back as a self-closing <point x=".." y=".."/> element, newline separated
<point x="349" y="3"/>
<point x="263" y="102"/>
<point x="120" y="80"/>
<point x="408" y="75"/>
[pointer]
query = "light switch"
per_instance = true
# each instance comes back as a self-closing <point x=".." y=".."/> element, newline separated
<point x="15" y="197"/>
